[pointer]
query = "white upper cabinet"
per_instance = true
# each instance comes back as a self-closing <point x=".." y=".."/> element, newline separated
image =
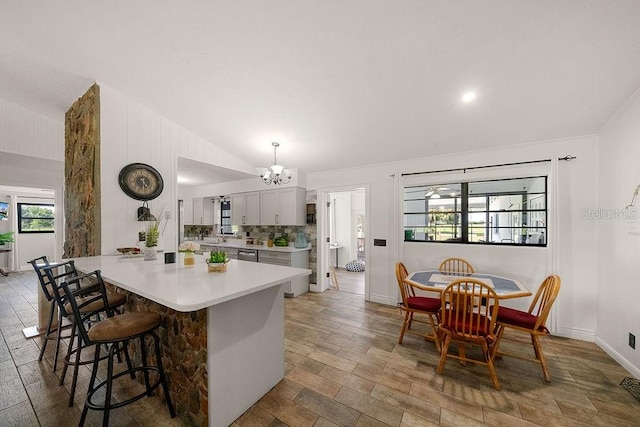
<point x="284" y="206"/>
<point x="202" y="211"/>
<point x="245" y="208"/>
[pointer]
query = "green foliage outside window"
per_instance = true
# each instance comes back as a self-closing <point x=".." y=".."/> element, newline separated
<point x="35" y="218"/>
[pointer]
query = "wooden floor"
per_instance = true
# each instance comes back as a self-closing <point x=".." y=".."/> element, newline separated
<point x="344" y="367"/>
<point x="350" y="281"/>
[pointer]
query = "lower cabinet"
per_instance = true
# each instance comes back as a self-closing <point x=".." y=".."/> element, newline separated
<point x="300" y="259"/>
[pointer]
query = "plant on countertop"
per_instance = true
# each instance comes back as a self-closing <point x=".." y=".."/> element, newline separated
<point x="189" y="247"/>
<point x="6" y="238"/>
<point x="152" y="233"/>
<point x="217" y="257"/>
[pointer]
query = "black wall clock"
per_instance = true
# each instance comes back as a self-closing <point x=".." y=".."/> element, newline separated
<point x="141" y="181"/>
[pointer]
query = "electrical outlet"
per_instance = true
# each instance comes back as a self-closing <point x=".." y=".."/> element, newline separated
<point x="632" y="341"/>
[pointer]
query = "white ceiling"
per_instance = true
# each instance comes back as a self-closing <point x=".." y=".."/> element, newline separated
<point x="338" y="83"/>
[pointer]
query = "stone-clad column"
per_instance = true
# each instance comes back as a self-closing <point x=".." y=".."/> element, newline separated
<point x="82" y="176"/>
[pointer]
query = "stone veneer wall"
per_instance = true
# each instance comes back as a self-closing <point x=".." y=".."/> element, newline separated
<point x="183" y="338"/>
<point x="82" y="176"/>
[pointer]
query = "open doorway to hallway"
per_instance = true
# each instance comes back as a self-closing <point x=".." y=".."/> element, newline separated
<point x="346" y="234"/>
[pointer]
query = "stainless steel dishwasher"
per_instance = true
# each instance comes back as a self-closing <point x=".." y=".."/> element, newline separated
<point x="247" y="255"/>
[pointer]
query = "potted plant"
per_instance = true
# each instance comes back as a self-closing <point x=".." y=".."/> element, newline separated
<point x="6" y="238"/>
<point x="217" y="261"/>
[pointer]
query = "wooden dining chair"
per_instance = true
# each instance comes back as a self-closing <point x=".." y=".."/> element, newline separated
<point x="421" y="305"/>
<point x="464" y="322"/>
<point x="456" y="265"/>
<point x="530" y="322"/>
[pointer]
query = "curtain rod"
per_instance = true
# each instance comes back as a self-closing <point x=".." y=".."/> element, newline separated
<point x="566" y="158"/>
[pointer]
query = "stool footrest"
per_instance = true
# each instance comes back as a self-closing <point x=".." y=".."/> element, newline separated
<point x="148" y="392"/>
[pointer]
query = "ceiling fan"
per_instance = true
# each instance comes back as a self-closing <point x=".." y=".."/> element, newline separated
<point x="434" y="192"/>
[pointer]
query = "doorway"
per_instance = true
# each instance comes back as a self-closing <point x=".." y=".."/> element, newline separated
<point x="343" y="227"/>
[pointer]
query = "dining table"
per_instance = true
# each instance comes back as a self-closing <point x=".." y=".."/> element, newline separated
<point x="437" y="281"/>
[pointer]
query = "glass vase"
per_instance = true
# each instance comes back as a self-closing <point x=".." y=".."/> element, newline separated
<point x="189" y="259"/>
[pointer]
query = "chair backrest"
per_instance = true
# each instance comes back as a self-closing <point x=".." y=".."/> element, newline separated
<point x="456" y="265"/>
<point x="462" y="316"/>
<point x="89" y="294"/>
<point x="55" y="273"/>
<point x="406" y="291"/>
<point x="542" y="302"/>
<point x="39" y="264"/>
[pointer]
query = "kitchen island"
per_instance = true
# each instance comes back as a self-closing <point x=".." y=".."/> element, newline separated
<point x="243" y="309"/>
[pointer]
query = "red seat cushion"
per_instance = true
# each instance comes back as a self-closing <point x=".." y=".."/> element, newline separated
<point x="473" y="325"/>
<point x="518" y="318"/>
<point x="424" y="304"/>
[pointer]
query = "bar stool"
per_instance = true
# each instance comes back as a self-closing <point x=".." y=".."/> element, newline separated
<point x="92" y="305"/>
<point x="39" y="265"/>
<point x="113" y="332"/>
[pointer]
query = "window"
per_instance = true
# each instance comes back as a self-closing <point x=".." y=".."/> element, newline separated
<point x="35" y="218"/>
<point x="505" y="211"/>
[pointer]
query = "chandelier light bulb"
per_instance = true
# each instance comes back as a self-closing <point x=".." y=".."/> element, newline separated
<point x="275" y="174"/>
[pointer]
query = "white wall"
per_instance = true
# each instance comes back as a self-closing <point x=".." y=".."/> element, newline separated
<point x="619" y="236"/>
<point x="32" y="156"/>
<point x="27" y="133"/>
<point x="130" y="132"/>
<point x="572" y="252"/>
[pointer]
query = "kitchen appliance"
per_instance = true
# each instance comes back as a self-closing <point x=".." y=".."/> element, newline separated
<point x="247" y="255"/>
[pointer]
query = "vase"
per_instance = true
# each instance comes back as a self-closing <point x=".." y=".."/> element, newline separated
<point x="189" y="259"/>
<point x="150" y="254"/>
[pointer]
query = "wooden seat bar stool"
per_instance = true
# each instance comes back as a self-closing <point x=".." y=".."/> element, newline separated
<point x="92" y="305"/>
<point x="114" y="332"/>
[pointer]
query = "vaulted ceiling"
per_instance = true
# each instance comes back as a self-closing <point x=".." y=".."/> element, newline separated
<point x="337" y="83"/>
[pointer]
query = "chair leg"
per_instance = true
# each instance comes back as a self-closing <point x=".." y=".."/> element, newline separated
<point x="128" y="359"/>
<point x="163" y="378"/>
<point x="76" y="367"/>
<point x="492" y="370"/>
<point x="92" y="381"/>
<point x="48" y="333"/>
<point x="540" y="357"/>
<point x="496" y="345"/>
<point x="143" y="351"/>
<point x="462" y="353"/>
<point x="107" y="397"/>
<point x="67" y="358"/>
<point x="58" y="338"/>
<point x="436" y="338"/>
<point x="404" y="326"/>
<point x="443" y="353"/>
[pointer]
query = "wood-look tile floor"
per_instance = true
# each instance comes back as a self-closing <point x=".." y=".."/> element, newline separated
<point x="350" y="281"/>
<point x="343" y="367"/>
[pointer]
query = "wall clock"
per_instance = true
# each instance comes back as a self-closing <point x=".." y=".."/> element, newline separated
<point x="141" y="181"/>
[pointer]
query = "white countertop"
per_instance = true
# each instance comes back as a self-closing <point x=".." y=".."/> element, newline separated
<point x="187" y="288"/>
<point x="240" y="244"/>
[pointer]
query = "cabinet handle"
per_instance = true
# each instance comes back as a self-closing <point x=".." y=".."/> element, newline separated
<point x="277" y="219"/>
<point x="244" y="219"/>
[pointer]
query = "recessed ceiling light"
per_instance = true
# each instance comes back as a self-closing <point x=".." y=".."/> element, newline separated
<point x="469" y="96"/>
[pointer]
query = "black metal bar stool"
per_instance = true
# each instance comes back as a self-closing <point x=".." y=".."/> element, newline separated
<point x="92" y="305"/>
<point x="113" y="332"/>
<point x="39" y="264"/>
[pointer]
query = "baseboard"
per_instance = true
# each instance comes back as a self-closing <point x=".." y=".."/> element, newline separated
<point x="382" y="299"/>
<point x="576" y="334"/>
<point x="635" y="371"/>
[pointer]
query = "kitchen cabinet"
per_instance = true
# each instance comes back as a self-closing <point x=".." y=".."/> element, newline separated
<point x="299" y="259"/>
<point x="202" y="211"/>
<point x="245" y="208"/>
<point x="286" y="206"/>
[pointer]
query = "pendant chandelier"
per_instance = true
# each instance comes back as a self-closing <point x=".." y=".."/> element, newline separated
<point x="275" y="174"/>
